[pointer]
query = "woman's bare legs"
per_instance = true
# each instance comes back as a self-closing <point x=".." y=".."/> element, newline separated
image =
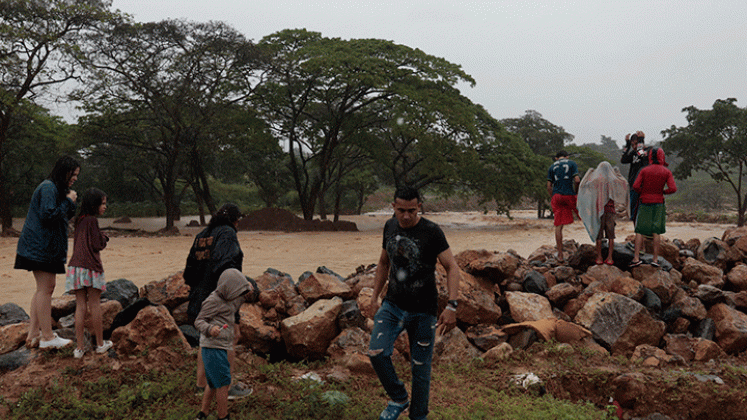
<point x="41" y="305"/>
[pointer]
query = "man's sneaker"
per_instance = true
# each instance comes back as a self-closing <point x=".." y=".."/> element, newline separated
<point x="239" y="390"/>
<point x="104" y="347"/>
<point x="78" y="353"/>
<point x="56" y="342"/>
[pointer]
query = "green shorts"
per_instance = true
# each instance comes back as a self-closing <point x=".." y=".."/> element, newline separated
<point x="651" y="219"/>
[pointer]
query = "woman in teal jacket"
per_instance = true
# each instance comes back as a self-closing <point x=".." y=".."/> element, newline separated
<point x="42" y="247"/>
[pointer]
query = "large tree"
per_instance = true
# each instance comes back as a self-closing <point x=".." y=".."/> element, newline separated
<point x="542" y="136"/>
<point x="173" y="80"/>
<point x="320" y="93"/>
<point x="38" y="40"/>
<point x="713" y="141"/>
<point x="545" y="139"/>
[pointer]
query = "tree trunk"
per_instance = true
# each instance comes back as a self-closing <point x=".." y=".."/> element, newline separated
<point x="6" y="215"/>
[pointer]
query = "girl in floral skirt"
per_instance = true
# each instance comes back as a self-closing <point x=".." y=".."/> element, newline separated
<point x="85" y="273"/>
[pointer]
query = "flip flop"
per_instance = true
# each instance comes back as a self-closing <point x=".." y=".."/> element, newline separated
<point x="655" y="264"/>
<point x="599" y="262"/>
<point x="609" y="262"/>
<point x="635" y="264"/>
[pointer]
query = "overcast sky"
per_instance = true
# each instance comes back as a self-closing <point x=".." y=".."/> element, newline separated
<point x="594" y="67"/>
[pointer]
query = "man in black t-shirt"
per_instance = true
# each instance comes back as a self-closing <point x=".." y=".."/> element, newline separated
<point x="411" y="247"/>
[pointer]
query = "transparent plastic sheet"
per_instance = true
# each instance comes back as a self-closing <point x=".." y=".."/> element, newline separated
<point x="597" y="187"/>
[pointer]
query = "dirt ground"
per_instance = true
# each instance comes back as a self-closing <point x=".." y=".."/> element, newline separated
<point x="143" y="259"/>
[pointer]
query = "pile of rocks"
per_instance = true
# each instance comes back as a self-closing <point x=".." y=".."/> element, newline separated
<point x="691" y="309"/>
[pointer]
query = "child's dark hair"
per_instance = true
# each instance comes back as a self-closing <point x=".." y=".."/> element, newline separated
<point x="408" y="193"/>
<point x="61" y="173"/>
<point x="90" y="203"/>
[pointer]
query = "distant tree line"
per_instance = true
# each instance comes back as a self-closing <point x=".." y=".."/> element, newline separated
<point x="173" y="108"/>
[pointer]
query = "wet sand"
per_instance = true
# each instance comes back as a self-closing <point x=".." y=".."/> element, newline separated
<point x="146" y="259"/>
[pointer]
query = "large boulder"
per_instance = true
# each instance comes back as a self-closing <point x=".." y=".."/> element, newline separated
<point x="702" y="273"/>
<point x="153" y="327"/>
<point x="731" y="328"/>
<point x="713" y="251"/>
<point x="169" y="292"/>
<point x="309" y="334"/>
<point x="315" y="286"/>
<point x="257" y="333"/>
<point x="661" y="283"/>
<point x="528" y="306"/>
<point x="10" y="313"/>
<point x="737" y="277"/>
<point x="63" y="306"/>
<point x="619" y="323"/>
<point x="121" y="290"/>
<point x="363" y="277"/>
<point x="13" y="336"/>
<point x="278" y="291"/>
<point x="493" y="266"/>
<point x="454" y="346"/>
<point x="477" y="303"/>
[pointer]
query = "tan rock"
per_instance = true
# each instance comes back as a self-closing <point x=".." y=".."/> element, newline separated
<point x="258" y="334"/>
<point x="528" y="306"/>
<point x="169" y="292"/>
<point x="152" y="327"/>
<point x="13" y="336"/>
<point x="309" y="334"/>
<point x="315" y="286"/>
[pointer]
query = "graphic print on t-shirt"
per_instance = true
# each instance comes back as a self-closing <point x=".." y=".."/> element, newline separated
<point x="404" y="255"/>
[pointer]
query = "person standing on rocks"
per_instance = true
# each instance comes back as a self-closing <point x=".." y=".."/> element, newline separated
<point x="635" y="153"/>
<point x="85" y="272"/>
<point x="562" y="183"/>
<point x="411" y="247"/>
<point x="652" y="214"/>
<point x="213" y="251"/>
<point x="42" y="246"/>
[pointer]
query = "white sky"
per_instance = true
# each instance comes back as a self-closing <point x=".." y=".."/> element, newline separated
<point x="594" y="67"/>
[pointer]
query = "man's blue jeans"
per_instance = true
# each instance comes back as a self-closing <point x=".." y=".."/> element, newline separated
<point x="389" y="322"/>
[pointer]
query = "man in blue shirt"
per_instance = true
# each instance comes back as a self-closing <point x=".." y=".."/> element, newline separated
<point x="562" y="184"/>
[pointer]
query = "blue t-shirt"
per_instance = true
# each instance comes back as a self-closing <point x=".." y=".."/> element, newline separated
<point x="561" y="174"/>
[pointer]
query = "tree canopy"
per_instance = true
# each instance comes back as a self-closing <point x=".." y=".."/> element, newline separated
<point x="38" y="44"/>
<point x="714" y="141"/>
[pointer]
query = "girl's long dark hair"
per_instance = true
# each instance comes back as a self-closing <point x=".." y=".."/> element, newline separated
<point x="89" y="206"/>
<point x="228" y="214"/>
<point x="61" y="173"/>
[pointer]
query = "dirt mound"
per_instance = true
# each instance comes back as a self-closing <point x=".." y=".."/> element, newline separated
<point x="278" y="219"/>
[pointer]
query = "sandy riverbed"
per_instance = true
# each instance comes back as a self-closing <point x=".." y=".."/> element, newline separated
<point x="145" y="259"/>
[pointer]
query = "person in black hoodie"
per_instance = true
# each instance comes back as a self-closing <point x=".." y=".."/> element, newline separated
<point x="635" y="153"/>
<point x="213" y="251"/>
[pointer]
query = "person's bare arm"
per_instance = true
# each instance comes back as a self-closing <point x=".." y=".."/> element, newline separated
<point x="380" y="277"/>
<point x="448" y="317"/>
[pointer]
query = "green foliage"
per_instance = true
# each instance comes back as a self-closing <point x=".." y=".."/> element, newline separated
<point x="542" y="136"/>
<point x="330" y="100"/>
<point x="714" y="141"/>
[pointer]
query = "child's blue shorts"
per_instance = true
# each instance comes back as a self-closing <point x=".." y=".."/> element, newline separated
<point x="217" y="368"/>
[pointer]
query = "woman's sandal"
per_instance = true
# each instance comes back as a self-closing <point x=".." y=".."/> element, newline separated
<point x="393" y="410"/>
<point x="609" y="262"/>
<point x="655" y="264"/>
<point x="635" y="264"/>
<point x="600" y="262"/>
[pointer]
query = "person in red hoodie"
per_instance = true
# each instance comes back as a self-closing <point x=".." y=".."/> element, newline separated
<point x="650" y="185"/>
